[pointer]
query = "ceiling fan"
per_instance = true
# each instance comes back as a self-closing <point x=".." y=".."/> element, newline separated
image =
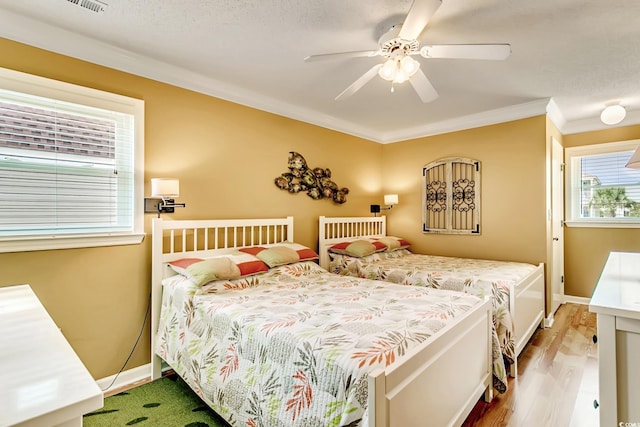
<point x="400" y="43"/>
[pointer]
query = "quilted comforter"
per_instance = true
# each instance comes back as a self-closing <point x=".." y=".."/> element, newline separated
<point x="293" y="346"/>
<point x="473" y="276"/>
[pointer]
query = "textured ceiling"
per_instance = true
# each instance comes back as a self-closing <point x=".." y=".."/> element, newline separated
<point x="569" y="57"/>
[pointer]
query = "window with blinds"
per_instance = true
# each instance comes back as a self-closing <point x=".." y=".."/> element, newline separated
<point x="451" y="196"/>
<point x="67" y="168"/>
<point x="601" y="189"/>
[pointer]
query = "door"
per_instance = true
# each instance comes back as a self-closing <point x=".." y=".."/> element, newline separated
<point x="557" y="225"/>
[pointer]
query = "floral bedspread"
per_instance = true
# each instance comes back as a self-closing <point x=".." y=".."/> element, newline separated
<point x="473" y="276"/>
<point x="293" y="346"/>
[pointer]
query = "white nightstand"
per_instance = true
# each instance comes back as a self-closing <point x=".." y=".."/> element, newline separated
<point x="42" y="380"/>
<point x="616" y="300"/>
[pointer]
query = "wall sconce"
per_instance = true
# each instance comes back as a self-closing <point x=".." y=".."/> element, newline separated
<point x="613" y="114"/>
<point x="389" y="200"/>
<point x="163" y="192"/>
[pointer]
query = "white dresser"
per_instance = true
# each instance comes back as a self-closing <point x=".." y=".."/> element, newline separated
<point x="42" y="380"/>
<point x="616" y="300"/>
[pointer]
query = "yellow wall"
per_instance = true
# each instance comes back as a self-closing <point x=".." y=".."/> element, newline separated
<point x="513" y="190"/>
<point x="226" y="157"/>
<point x="586" y="249"/>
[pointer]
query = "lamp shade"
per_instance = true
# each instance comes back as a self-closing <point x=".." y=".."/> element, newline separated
<point x="634" y="161"/>
<point x="165" y="187"/>
<point x="613" y="114"/>
<point x="390" y="199"/>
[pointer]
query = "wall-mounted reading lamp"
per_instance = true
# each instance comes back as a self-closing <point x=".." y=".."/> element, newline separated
<point x="163" y="192"/>
<point x="389" y="201"/>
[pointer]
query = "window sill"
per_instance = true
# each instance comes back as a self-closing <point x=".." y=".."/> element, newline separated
<point x="40" y="243"/>
<point x="603" y="224"/>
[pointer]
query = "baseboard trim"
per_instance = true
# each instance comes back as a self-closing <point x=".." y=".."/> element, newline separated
<point x="548" y="321"/>
<point x="125" y="378"/>
<point x="577" y="300"/>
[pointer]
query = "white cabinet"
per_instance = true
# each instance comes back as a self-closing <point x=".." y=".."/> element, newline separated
<point x="616" y="301"/>
<point x="43" y="383"/>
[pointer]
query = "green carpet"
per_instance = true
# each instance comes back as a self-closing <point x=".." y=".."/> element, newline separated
<point x="164" y="402"/>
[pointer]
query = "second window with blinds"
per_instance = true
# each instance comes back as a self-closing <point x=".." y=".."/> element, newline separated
<point x="451" y="196"/>
<point x="601" y="190"/>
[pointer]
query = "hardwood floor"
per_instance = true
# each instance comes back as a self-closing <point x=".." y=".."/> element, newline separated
<point x="557" y="379"/>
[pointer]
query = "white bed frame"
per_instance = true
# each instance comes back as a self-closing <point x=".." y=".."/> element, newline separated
<point x="436" y="384"/>
<point x="527" y="299"/>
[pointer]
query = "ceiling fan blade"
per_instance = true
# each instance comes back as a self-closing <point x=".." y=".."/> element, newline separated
<point x="361" y="81"/>
<point x="355" y="54"/>
<point x="423" y="87"/>
<point x="467" y="51"/>
<point x="420" y="13"/>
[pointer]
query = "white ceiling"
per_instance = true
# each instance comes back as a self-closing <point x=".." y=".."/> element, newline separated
<point x="569" y="58"/>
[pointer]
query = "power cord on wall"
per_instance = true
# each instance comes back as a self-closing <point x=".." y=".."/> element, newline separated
<point x="144" y="322"/>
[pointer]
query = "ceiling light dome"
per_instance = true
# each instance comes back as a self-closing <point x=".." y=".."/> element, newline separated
<point x="613" y="114"/>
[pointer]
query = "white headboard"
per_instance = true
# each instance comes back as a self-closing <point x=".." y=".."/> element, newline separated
<point x="173" y="240"/>
<point x="340" y="229"/>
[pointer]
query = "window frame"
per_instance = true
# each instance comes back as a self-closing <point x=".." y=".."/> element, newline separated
<point x="40" y="86"/>
<point x="572" y="203"/>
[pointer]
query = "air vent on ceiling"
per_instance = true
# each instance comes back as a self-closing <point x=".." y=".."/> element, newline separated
<point x="93" y="5"/>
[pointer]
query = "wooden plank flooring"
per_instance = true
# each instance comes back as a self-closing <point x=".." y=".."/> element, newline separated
<point x="557" y="379"/>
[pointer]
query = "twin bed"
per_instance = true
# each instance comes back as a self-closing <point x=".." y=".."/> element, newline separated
<point x="267" y="337"/>
<point x="516" y="289"/>
<point x="298" y="346"/>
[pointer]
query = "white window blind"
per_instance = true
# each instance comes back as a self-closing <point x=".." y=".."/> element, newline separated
<point x="66" y="168"/>
<point x="601" y="188"/>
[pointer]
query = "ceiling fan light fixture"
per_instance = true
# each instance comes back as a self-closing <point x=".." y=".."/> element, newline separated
<point x="400" y="76"/>
<point x="409" y="66"/>
<point x="399" y="43"/>
<point x="399" y="70"/>
<point x="388" y="70"/>
<point x="613" y="114"/>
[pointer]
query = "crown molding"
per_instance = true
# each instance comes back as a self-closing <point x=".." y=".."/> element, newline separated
<point x="589" y="124"/>
<point x="48" y="37"/>
<point x="555" y="115"/>
<point x="490" y="117"/>
<point x="594" y="124"/>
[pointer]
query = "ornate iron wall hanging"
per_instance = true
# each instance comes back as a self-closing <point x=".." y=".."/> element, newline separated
<point x="315" y="182"/>
<point x="451" y="196"/>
